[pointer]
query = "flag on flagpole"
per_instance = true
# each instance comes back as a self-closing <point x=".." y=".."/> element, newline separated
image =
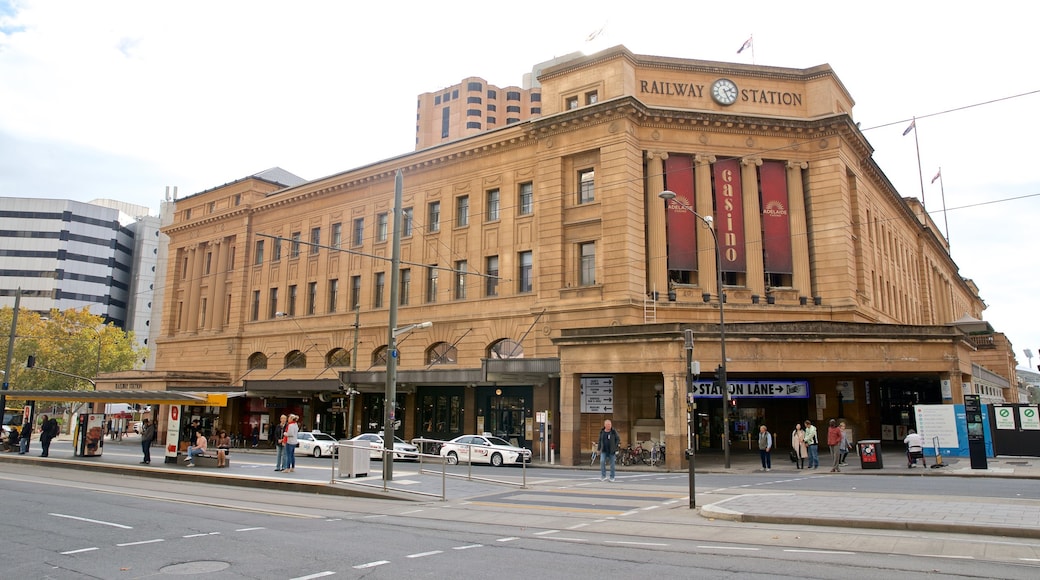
<point x="938" y="174"/>
<point x="595" y="33"/>
<point x="910" y="127"/>
<point x="746" y="45"/>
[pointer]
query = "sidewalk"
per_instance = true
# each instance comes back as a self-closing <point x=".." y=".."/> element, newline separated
<point x="1012" y="517"/>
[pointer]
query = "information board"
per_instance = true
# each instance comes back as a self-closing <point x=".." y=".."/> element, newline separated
<point x="937" y="421"/>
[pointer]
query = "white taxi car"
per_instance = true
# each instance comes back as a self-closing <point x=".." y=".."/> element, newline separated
<point x="402" y="449"/>
<point x="316" y="443"/>
<point x="483" y="449"/>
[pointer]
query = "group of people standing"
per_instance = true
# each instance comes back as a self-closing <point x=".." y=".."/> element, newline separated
<point x="285" y="442"/>
<point x="805" y="445"/>
<point x="49" y="430"/>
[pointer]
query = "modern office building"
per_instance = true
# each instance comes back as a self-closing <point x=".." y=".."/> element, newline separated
<point x="561" y="286"/>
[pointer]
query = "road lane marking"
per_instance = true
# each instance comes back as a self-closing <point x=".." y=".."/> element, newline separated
<point x="952" y="557"/>
<point x="634" y="543"/>
<point x="576" y="526"/>
<point x="250" y="529"/>
<point x="729" y="548"/>
<point x="114" y="525"/>
<point x="1022" y="559"/>
<point x="468" y="546"/>
<point x="201" y="535"/>
<point x="545" y="532"/>
<point x="371" y="564"/>
<point x="316" y="575"/>
<point x="509" y="539"/>
<point x="155" y="541"/>
<point x="424" y="554"/>
<point x="78" y="551"/>
<point x="566" y="539"/>
<point x="798" y="551"/>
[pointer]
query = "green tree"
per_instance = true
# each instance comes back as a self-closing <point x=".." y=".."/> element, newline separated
<point x="73" y="342"/>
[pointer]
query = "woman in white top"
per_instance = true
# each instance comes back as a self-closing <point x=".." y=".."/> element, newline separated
<point x="291" y="430"/>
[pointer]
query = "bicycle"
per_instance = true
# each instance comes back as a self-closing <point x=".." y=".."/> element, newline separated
<point x="656" y="453"/>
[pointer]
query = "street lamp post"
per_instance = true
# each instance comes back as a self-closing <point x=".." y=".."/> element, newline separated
<point x="709" y="223"/>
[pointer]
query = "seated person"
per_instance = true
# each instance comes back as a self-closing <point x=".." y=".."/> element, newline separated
<point x="199" y="448"/>
<point x="11" y="443"/>
<point x="223" y="445"/>
<point x="914" y="448"/>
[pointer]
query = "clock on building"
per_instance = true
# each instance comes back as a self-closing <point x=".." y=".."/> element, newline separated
<point x="724" y="91"/>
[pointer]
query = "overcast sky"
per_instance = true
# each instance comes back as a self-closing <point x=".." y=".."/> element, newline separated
<point x="119" y="99"/>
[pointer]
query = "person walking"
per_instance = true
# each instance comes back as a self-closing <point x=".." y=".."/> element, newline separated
<point x="798" y="446"/>
<point x="147" y="436"/>
<point x="609" y="444"/>
<point x="765" y="447"/>
<point x="812" y="444"/>
<point x="279" y="445"/>
<point x="845" y="446"/>
<point x="834" y="443"/>
<point x="291" y="431"/>
<point x="48" y="431"/>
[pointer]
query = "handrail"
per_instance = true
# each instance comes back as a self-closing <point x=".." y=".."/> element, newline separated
<point x="368" y="449"/>
<point x="469" y="460"/>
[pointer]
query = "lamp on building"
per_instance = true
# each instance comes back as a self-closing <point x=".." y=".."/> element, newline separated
<point x="709" y="222"/>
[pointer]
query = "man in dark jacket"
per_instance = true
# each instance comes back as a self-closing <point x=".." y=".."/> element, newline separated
<point x="147" y="436"/>
<point x="609" y="443"/>
<point x="48" y="431"/>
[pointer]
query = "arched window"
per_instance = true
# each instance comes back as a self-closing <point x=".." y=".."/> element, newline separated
<point x="337" y="357"/>
<point x="379" y="357"/>
<point x="442" y="353"/>
<point x="506" y="348"/>
<point x="257" y="361"/>
<point x="295" y="360"/>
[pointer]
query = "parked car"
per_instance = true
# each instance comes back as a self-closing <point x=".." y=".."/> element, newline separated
<point x="316" y="443"/>
<point x="484" y="449"/>
<point x="402" y="449"/>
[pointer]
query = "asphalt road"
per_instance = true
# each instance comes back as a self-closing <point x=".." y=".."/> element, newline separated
<point x="75" y="524"/>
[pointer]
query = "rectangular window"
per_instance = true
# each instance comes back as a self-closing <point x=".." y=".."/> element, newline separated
<point x="491" y="270"/>
<point x="445" y="121"/>
<point x="357" y="237"/>
<point x="526" y="201"/>
<point x="460" y="280"/>
<point x="291" y="306"/>
<point x="272" y="303"/>
<point x="276" y="250"/>
<point x="462" y="211"/>
<point x="337" y="235"/>
<point x="377" y="297"/>
<point x="294" y="245"/>
<point x="258" y="254"/>
<point x="406" y="222"/>
<point x="315" y="240"/>
<point x="255" y="314"/>
<point x="591" y="98"/>
<point x="586" y="186"/>
<point x="355" y="292"/>
<point x="587" y="251"/>
<point x="433" y="216"/>
<point x="406" y="287"/>
<point x="571" y="103"/>
<point x="525" y="270"/>
<point x="381" y="226"/>
<point x="431" y="283"/>
<point x="333" y="294"/>
<point x="492" y="205"/>
<point x="312" y="297"/>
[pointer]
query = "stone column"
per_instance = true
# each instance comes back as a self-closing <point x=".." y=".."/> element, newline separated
<point x="197" y="263"/>
<point x="756" y="280"/>
<point x="217" y="288"/>
<point x="568" y="440"/>
<point x="799" y="229"/>
<point x="657" y="240"/>
<point x="707" y="276"/>
<point x="674" y="413"/>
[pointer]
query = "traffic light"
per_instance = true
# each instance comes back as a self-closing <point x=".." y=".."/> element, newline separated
<point x="31" y="362"/>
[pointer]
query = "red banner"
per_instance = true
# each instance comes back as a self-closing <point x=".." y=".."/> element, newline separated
<point x="729" y="215"/>
<point x="776" y="223"/>
<point x="682" y="224"/>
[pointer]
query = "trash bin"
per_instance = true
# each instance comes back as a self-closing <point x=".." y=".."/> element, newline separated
<point x="354" y="461"/>
<point x="870" y="454"/>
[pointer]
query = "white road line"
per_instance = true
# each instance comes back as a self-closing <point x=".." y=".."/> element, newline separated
<point x="334" y="520"/>
<point x="373" y="516"/>
<point x="1022" y="559"/>
<point x="545" y="532"/>
<point x="409" y="512"/>
<point x="576" y="526"/>
<point x="114" y="525"/>
<point x="249" y="529"/>
<point x="946" y="556"/>
<point x="92" y="549"/>
<point x="729" y="548"/>
<point x="423" y="554"/>
<point x="371" y="564"/>
<point x="650" y="507"/>
<point x="317" y="575"/>
<point x="155" y="541"/>
<point x="468" y="546"/>
<point x="201" y="535"/>
<point x="565" y="539"/>
<point x="634" y="543"/>
<point x="818" y="552"/>
<point x="509" y="539"/>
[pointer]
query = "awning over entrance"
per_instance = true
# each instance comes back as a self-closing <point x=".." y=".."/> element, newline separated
<point x="142" y="397"/>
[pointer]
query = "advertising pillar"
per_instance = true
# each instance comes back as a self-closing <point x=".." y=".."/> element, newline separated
<point x="173" y="432"/>
<point x="976" y="434"/>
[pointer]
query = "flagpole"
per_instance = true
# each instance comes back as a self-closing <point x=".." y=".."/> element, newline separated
<point x="946" y="220"/>
<point x="920" y="176"/>
<point x="752" y="37"/>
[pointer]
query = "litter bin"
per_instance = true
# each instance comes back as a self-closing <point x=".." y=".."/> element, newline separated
<point x="870" y="454"/>
<point x="354" y="461"/>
